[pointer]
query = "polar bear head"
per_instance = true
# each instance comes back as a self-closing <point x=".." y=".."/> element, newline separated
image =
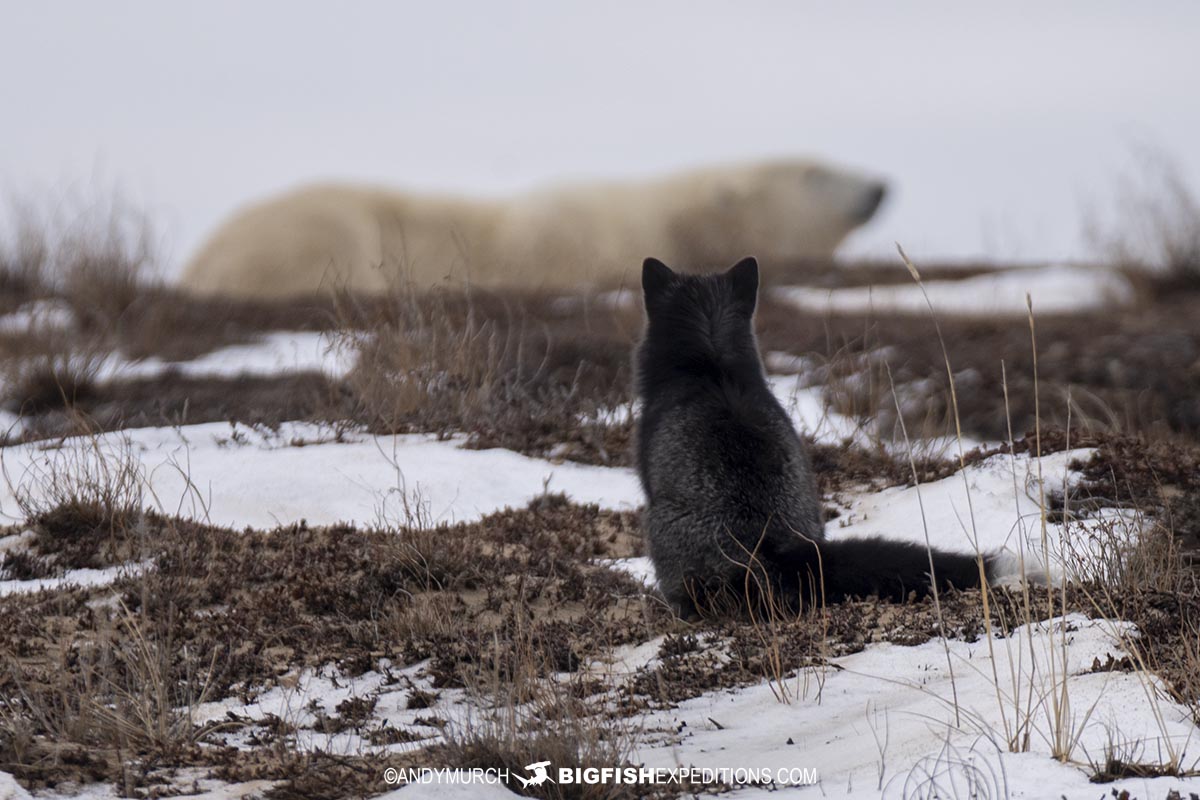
<point x="784" y="211"/>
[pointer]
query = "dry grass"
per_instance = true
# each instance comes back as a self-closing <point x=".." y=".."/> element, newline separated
<point x="513" y="610"/>
<point x="542" y="374"/>
<point x="110" y="708"/>
<point x="1156" y="230"/>
<point x="502" y="603"/>
<point x="88" y="261"/>
<point x="1151" y="578"/>
<point x="1113" y="574"/>
<point x="524" y="710"/>
<point x="1124" y="371"/>
<point x="97" y="255"/>
<point x="81" y="277"/>
<point x="83" y="503"/>
<point x="507" y="371"/>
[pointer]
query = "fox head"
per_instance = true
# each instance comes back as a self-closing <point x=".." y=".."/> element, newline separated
<point x="665" y="290"/>
<point x="699" y="324"/>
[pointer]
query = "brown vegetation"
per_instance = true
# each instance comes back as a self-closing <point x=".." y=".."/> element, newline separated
<point x="517" y="611"/>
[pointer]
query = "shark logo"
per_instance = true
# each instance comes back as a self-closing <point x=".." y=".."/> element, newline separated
<point x="540" y="775"/>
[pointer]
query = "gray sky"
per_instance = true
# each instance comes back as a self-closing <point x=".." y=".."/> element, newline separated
<point x="997" y="126"/>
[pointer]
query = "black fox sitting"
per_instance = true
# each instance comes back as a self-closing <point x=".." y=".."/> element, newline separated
<point x="732" y="508"/>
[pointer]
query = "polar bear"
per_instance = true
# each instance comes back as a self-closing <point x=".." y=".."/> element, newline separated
<point x="567" y="238"/>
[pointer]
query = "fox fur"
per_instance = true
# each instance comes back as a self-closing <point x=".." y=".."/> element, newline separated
<point x="733" y="514"/>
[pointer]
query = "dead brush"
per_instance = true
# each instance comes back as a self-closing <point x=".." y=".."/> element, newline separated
<point x="1039" y="694"/>
<point x="1016" y="731"/>
<point x="1159" y="229"/>
<point x="1116" y="574"/>
<point x="1137" y="563"/>
<point x="85" y="504"/>
<point x="915" y="414"/>
<point x="1145" y="577"/>
<point x="105" y="263"/>
<point x="424" y="622"/>
<point x="116" y="694"/>
<point x="56" y="375"/>
<point x="24" y="258"/>
<point x="429" y="558"/>
<point x="494" y="368"/>
<point x="1126" y="758"/>
<point x="99" y="255"/>
<point x="770" y="616"/>
<point x="857" y="382"/>
<point x="417" y="367"/>
<point x="1120" y="548"/>
<point x="852" y="387"/>
<point x="522" y="713"/>
<point x="95" y="259"/>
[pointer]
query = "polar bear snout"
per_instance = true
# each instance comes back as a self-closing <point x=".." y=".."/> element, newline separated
<point x="872" y="199"/>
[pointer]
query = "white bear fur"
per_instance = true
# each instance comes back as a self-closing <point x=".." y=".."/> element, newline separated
<point x="568" y="238"/>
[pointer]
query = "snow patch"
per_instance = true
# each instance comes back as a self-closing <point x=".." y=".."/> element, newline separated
<point x="993" y="505"/>
<point x="83" y="578"/>
<point x="277" y="353"/>
<point x="811" y="414"/>
<point x="238" y="476"/>
<point x="301" y="699"/>
<point x="39" y="315"/>
<point x="10" y="789"/>
<point x="883" y="720"/>
<point x="640" y="568"/>
<point x="1055" y="289"/>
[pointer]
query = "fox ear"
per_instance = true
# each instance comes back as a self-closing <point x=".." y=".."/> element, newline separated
<point x="743" y="277"/>
<point x="655" y="276"/>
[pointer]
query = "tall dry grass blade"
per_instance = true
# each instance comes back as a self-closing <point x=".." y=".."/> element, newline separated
<point x="937" y="599"/>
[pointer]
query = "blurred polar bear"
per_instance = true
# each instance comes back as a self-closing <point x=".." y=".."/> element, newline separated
<point x="568" y="238"/>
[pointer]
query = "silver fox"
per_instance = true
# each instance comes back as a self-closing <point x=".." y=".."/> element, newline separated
<point x="733" y="514"/>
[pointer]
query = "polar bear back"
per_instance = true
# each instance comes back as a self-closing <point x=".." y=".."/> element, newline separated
<point x="567" y="238"/>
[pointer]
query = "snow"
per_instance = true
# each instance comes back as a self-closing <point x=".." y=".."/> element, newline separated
<point x="83" y="578"/>
<point x="72" y="577"/>
<point x="811" y="414"/>
<point x="187" y="780"/>
<point x="615" y="300"/>
<point x="878" y="723"/>
<point x="1057" y="289"/>
<point x="10" y="789"/>
<point x="883" y="719"/>
<point x="805" y="404"/>
<point x="237" y="476"/>
<point x="299" y="698"/>
<point x="11" y="425"/>
<point x="16" y="542"/>
<point x="273" y="354"/>
<point x="993" y="504"/>
<point x="639" y="568"/>
<point x="884" y="722"/>
<point x="788" y="364"/>
<point x="43" y="315"/>
<point x="450" y="791"/>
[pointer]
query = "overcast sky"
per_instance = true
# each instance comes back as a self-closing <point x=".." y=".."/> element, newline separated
<point x="997" y="127"/>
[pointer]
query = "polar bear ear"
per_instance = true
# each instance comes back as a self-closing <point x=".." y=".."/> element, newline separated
<point x="743" y="277"/>
<point x="655" y="276"/>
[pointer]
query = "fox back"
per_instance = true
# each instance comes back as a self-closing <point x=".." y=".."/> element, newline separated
<point x="733" y="513"/>
<point x="727" y="479"/>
